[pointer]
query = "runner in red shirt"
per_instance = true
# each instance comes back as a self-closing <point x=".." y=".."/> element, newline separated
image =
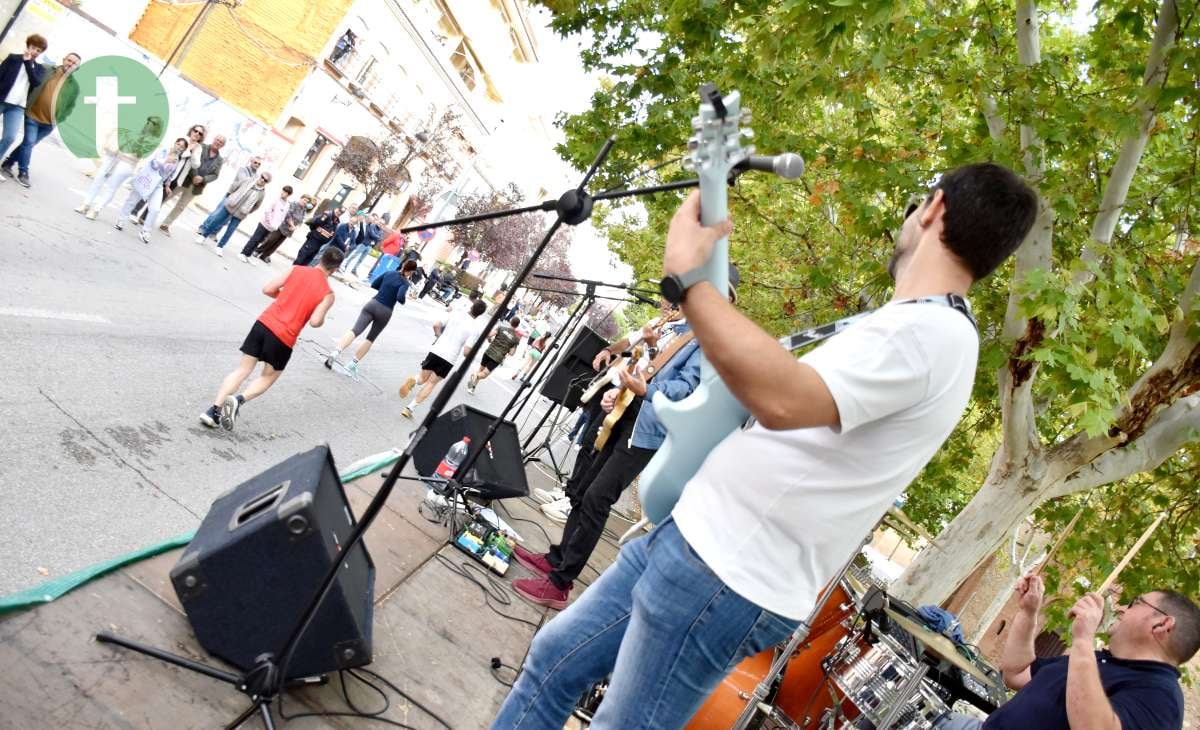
<point x="302" y="296"/>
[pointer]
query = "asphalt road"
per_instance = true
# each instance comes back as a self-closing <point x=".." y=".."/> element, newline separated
<point x="112" y="348"/>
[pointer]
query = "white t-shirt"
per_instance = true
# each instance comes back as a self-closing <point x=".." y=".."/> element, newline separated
<point x="19" y="92"/>
<point x="461" y="330"/>
<point x="775" y="514"/>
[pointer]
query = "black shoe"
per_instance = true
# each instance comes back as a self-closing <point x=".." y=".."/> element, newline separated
<point x="23" y="178"/>
<point x="7" y="170"/>
<point x="211" y="417"/>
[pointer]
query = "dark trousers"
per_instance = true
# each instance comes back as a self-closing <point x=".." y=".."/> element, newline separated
<point x="609" y="472"/>
<point x="272" y="242"/>
<point x="255" y="238"/>
<point x="309" y="250"/>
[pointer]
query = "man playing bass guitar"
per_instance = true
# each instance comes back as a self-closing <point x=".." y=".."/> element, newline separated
<point x="777" y="507"/>
<point x="601" y="475"/>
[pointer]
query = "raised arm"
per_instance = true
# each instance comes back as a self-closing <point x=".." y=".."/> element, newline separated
<point x="1018" y="650"/>
<point x="780" y="392"/>
<point x="1088" y="705"/>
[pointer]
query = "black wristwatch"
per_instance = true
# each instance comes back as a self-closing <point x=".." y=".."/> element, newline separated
<point x="674" y="286"/>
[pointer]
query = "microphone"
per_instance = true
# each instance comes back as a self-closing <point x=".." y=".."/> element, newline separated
<point x="788" y="165"/>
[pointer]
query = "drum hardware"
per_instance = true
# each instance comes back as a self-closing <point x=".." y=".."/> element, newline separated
<point x="798" y="637"/>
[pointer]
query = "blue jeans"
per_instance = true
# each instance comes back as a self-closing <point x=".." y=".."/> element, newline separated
<point x="216" y="219"/>
<point x="661" y="622"/>
<point x="355" y="259"/>
<point x="35" y="132"/>
<point x="14" y="122"/>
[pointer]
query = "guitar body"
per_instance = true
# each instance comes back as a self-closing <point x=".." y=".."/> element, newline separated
<point x="606" y="379"/>
<point x="610" y="421"/>
<point x="696" y="424"/>
<point x="625" y="397"/>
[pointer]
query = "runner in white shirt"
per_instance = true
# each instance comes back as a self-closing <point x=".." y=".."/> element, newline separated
<point x="455" y="338"/>
<point x="776" y="508"/>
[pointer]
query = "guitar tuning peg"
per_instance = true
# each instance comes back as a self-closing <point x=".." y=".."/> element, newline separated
<point x="688" y="164"/>
<point x="697" y="123"/>
<point x="747" y="117"/>
<point x="747" y="133"/>
<point x="693" y="144"/>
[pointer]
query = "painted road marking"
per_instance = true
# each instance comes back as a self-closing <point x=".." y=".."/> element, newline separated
<point x="52" y="314"/>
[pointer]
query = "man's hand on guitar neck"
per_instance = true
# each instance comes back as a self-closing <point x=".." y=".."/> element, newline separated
<point x="778" y="390"/>
<point x="689" y="242"/>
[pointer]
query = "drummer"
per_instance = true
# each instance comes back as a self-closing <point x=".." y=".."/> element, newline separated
<point x="1132" y="685"/>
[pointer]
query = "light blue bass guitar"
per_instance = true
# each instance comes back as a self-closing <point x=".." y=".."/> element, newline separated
<point x="696" y="424"/>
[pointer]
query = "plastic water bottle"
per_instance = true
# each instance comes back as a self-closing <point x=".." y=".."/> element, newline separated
<point x="454" y="457"/>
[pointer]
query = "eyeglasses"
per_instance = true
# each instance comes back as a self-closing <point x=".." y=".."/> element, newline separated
<point x="1142" y="600"/>
<point x="912" y="207"/>
<point x="197" y="130"/>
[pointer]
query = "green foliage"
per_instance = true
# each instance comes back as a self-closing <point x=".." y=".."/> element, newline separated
<point x="880" y="96"/>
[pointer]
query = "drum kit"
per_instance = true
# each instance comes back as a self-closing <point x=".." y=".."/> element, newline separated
<point x="862" y="661"/>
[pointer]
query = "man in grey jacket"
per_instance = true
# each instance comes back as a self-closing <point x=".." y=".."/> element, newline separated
<point x="234" y="209"/>
<point x="207" y="171"/>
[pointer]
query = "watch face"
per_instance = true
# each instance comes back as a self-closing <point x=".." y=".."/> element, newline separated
<point x="671" y="288"/>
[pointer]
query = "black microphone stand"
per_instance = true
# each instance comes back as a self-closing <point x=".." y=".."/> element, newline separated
<point x="264" y="682"/>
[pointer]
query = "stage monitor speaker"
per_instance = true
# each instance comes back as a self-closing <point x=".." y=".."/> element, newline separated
<point x="259" y="556"/>
<point x="498" y="473"/>
<point x="573" y="371"/>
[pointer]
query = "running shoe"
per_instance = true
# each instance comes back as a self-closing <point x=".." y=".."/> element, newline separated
<point x="211" y="417"/>
<point x="407" y="388"/>
<point x="229" y="412"/>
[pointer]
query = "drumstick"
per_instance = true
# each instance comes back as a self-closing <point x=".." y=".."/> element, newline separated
<point x="1112" y="578"/>
<point x="1062" y="537"/>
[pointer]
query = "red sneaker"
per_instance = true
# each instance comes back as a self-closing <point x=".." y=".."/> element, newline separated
<point x="538" y="564"/>
<point x="542" y="592"/>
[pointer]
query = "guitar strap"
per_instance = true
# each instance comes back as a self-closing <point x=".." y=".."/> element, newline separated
<point x="665" y="356"/>
<point x="799" y="339"/>
<point x="796" y="340"/>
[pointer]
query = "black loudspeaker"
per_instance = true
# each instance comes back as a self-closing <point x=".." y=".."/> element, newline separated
<point x="257" y="560"/>
<point x="497" y="474"/>
<point x="573" y="371"/>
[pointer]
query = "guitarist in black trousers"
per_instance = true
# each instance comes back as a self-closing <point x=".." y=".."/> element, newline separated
<point x="598" y="481"/>
<point x="778" y="506"/>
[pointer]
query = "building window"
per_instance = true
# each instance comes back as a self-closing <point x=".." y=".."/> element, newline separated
<point x="310" y="156"/>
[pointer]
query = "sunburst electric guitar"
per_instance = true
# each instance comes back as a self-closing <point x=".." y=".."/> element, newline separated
<point x="696" y="424"/>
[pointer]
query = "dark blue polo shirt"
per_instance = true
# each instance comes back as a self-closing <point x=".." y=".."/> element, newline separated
<point x="1144" y="694"/>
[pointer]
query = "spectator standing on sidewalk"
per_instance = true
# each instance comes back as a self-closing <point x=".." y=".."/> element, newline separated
<point x="295" y="216"/>
<point x="371" y="234"/>
<point x="207" y="171"/>
<point x="53" y="99"/>
<point x="233" y="210"/>
<point x="302" y="297"/>
<point x="122" y="151"/>
<point x="271" y="218"/>
<point x="320" y="231"/>
<point x="19" y="72"/>
<point x="187" y="161"/>
<point x="147" y="187"/>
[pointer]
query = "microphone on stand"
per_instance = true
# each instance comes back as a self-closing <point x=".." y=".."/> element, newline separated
<point x="788" y="165"/>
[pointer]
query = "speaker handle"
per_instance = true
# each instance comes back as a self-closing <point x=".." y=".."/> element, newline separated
<point x="259" y="505"/>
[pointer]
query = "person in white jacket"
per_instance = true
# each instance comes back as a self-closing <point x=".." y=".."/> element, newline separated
<point x="122" y="150"/>
<point x="147" y="186"/>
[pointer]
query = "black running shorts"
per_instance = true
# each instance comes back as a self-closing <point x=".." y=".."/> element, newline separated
<point x="262" y="344"/>
<point x="436" y="365"/>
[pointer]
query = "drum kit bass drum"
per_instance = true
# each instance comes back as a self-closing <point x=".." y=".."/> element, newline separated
<point x="842" y="676"/>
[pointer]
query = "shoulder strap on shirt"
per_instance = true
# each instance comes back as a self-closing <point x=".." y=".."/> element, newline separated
<point x="796" y="340"/>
